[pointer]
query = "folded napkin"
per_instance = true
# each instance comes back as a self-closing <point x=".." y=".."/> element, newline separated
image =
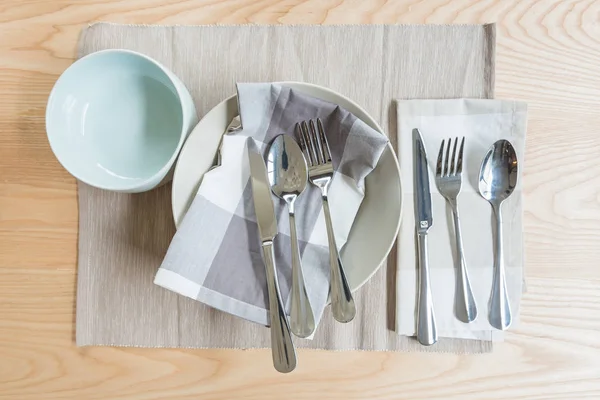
<point x="481" y="122"/>
<point x="215" y="255"/>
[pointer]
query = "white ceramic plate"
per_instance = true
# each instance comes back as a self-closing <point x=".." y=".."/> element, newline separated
<point x="376" y="225"/>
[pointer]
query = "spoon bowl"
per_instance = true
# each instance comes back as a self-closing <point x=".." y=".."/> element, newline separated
<point x="288" y="176"/>
<point x="498" y="175"/>
<point x="287" y="169"/>
<point x="497" y="181"/>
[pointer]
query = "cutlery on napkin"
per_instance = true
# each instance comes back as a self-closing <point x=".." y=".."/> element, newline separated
<point x="283" y="352"/>
<point x="481" y="122"/>
<point x="215" y="255"/>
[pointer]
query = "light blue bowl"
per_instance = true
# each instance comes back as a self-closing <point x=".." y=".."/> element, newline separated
<point x="117" y="120"/>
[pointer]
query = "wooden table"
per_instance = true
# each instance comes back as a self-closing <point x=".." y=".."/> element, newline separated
<point x="548" y="55"/>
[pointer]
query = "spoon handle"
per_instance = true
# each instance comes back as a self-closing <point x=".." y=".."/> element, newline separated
<point x="500" y="314"/>
<point x="302" y="320"/>
<point x="342" y="303"/>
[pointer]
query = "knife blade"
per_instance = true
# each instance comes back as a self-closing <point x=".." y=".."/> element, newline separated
<point x="282" y="347"/>
<point x="421" y="185"/>
<point x="426" y="326"/>
<point x="261" y="193"/>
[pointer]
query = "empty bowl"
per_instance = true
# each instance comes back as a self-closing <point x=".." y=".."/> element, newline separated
<point x="117" y="119"/>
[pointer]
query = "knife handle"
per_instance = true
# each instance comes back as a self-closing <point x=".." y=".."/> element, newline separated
<point x="282" y="347"/>
<point x="426" y="328"/>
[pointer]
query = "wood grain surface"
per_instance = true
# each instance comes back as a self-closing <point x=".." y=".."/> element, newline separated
<point x="548" y="55"/>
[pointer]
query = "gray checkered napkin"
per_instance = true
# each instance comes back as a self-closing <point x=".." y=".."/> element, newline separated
<point x="215" y="256"/>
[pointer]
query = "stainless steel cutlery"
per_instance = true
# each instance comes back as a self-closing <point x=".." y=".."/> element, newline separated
<point x="497" y="181"/>
<point x="426" y="326"/>
<point x="284" y="354"/>
<point x="316" y="149"/>
<point x="291" y="166"/>
<point x="448" y="179"/>
<point x="288" y="176"/>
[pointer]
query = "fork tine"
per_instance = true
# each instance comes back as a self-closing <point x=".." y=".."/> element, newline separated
<point x="324" y="142"/>
<point x="317" y="142"/>
<point x="309" y="145"/>
<point x="452" y="169"/>
<point x="460" y="156"/>
<point x="303" y="145"/>
<point x="446" y="163"/>
<point x="438" y="166"/>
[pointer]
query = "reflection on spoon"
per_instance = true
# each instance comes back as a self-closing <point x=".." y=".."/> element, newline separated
<point x="288" y="176"/>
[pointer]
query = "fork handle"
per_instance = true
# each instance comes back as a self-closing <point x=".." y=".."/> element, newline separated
<point x="466" y="308"/>
<point x="342" y="303"/>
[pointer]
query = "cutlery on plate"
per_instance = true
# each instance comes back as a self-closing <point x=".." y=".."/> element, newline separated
<point x="288" y="176"/>
<point x="497" y="181"/>
<point x="426" y="327"/>
<point x="448" y="179"/>
<point x="284" y="354"/>
<point x="233" y="126"/>
<point x="320" y="173"/>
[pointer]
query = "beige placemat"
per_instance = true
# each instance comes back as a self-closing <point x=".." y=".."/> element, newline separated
<point x="123" y="238"/>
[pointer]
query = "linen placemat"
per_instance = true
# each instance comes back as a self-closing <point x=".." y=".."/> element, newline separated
<point x="124" y="237"/>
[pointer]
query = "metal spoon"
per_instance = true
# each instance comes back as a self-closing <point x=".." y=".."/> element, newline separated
<point x="497" y="180"/>
<point x="288" y="175"/>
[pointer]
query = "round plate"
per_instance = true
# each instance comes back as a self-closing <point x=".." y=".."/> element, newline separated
<point x="376" y="225"/>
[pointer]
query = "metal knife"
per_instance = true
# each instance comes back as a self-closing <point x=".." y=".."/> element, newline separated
<point x="284" y="354"/>
<point x="426" y="329"/>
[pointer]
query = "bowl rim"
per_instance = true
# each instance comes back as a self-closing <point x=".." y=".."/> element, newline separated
<point x="151" y="180"/>
<point x="365" y="117"/>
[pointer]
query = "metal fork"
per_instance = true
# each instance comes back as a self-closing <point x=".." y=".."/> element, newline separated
<point x="320" y="173"/>
<point x="448" y="181"/>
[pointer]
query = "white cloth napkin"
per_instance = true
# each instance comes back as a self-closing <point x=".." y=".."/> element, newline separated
<point x="215" y="256"/>
<point x="481" y="122"/>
